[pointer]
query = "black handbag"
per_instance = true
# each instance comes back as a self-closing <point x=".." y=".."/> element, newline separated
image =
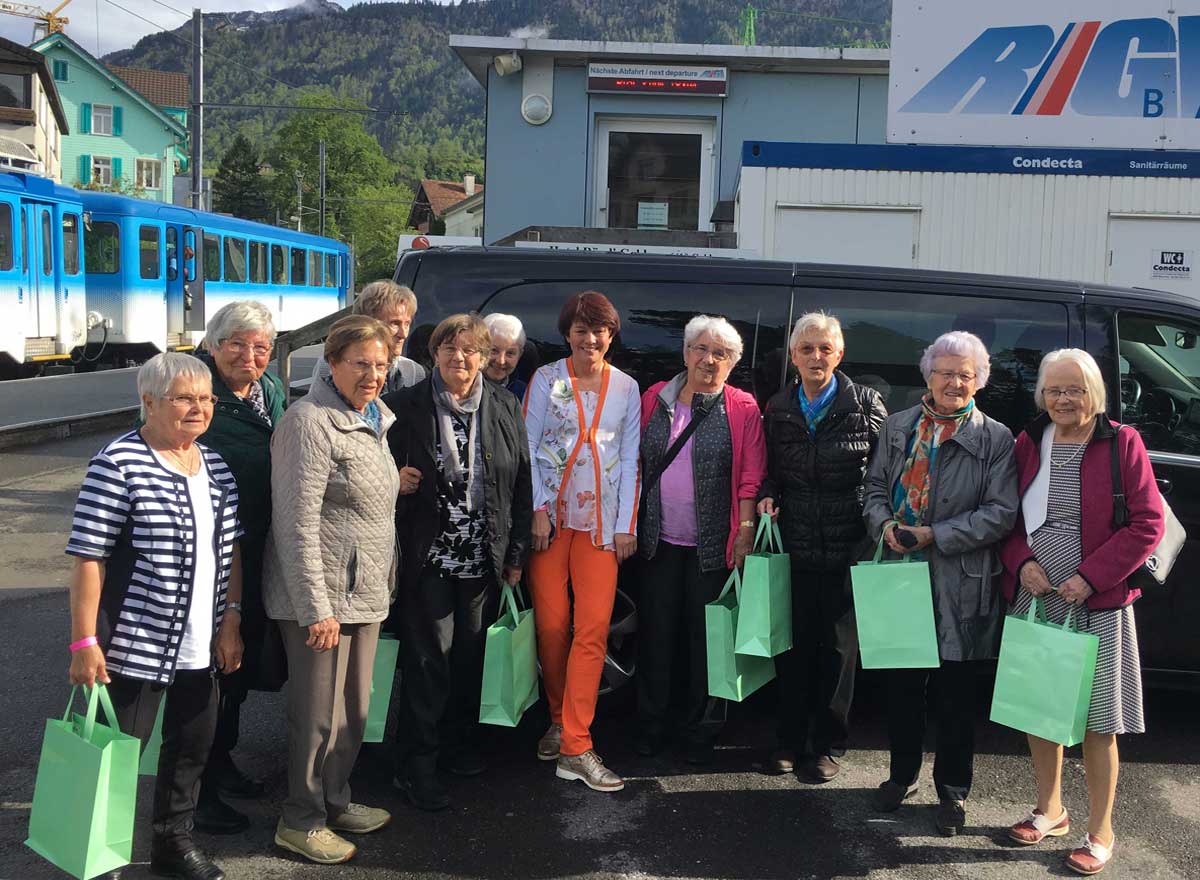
<point x="1154" y="571"/>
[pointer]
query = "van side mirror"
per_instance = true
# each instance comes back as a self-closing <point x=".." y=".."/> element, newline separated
<point x="1185" y="340"/>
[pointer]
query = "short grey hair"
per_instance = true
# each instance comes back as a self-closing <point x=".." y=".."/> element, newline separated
<point x="1093" y="380"/>
<point x="503" y="326"/>
<point x="959" y="343"/>
<point x="243" y="316"/>
<point x="718" y="328"/>
<point x="157" y="375"/>
<point x="817" y="322"/>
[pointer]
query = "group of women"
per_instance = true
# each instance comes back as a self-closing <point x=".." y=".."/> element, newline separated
<point x="387" y="498"/>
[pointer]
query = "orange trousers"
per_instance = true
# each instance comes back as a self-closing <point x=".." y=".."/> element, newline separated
<point x="572" y="663"/>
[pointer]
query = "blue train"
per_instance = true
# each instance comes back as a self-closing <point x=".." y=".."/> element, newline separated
<point x="90" y="277"/>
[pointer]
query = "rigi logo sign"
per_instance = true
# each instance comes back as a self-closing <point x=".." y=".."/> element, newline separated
<point x="1072" y="73"/>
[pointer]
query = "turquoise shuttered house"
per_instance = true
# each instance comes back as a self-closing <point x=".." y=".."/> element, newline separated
<point x="128" y="126"/>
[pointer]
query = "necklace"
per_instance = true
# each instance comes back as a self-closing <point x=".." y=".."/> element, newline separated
<point x="1079" y="448"/>
<point x="185" y="461"/>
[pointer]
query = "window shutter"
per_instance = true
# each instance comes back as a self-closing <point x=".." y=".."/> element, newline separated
<point x="85" y="118"/>
<point x="116" y="169"/>
<point x="60" y="70"/>
<point x="85" y="170"/>
<point x="116" y="117"/>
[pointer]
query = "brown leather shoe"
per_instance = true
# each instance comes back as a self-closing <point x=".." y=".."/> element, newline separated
<point x="782" y="761"/>
<point x="821" y="769"/>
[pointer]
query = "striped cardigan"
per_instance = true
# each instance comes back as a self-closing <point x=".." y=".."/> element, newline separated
<point x="136" y="517"/>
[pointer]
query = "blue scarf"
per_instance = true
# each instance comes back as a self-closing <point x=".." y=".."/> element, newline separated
<point x="371" y="415"/>
<point x="816" y="411"/>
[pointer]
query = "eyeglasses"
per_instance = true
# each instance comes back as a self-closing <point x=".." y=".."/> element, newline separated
<point x="1074" y="392"/>
<point x="720" y="355"/>
<point x="365" y="367"/>
<point x="947" y="375"/>
<point x="187" y="401"/>
<point x="448" y="350"/>
<point x="240" y="348"/>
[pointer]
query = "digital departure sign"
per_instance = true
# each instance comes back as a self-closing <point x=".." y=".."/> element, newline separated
<point x="658" y="79"/>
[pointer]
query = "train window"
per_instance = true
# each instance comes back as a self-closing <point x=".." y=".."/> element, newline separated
<point x="278" y="265"/>
<point x="172" y="253"/>
<point x="314" y="268"/>
<point x="70" y="236"/>
<point x="235" y="259"/>
<point x="212" y="256"/>
<point x="258" y="263"/>
<point x="102" y="248"/>
<point x="148" y="247"/>
<point x="331" y="273"/>
<point x="298" y="257"/>
<point x="6" y="236"/>
<point x="47" y="244"/>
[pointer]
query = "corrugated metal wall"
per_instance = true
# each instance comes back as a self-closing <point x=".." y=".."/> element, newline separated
<point x="1047" y="226"/>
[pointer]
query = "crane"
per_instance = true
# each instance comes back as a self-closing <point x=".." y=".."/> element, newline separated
<point x="46" y="22"/>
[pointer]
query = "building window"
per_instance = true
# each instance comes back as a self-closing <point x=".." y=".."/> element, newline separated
<point x="148" y="242"/>
<point x="102" y="170"/>
<point x="149" y="173"/>
<point x="102" y="119"/>
<point x="102" y="248"/>
<point x="61" y="70"/>
<point x="14" y="91"/>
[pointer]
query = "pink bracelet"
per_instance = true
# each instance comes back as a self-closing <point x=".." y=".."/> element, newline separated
<point x="85" y="642"/>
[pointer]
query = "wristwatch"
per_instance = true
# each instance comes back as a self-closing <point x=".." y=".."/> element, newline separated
<point x="234" y="606"/>
<point x="746" y="524"/>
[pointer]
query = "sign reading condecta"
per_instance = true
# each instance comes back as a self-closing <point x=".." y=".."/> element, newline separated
<point x="1073" y="73"/>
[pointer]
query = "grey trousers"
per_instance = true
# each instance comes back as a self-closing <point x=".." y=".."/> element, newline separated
<point x="327" y="699"/>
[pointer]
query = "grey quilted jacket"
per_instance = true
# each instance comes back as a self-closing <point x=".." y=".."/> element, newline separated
<point x="331" y="547"/>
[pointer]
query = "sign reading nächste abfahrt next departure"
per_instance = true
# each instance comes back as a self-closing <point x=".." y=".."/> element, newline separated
<point x="1073" y="73"/>
<point x="658" y="79"/>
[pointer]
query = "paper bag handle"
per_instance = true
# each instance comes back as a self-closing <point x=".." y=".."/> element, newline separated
<point x="97" y="696"/>
<point x="734" y="580"/>
<point x="768" y="529"/>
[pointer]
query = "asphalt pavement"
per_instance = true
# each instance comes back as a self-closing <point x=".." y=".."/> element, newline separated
<point x="726" y="821"/>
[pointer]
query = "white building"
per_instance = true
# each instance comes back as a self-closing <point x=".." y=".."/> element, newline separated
<point x="32" y="121"/>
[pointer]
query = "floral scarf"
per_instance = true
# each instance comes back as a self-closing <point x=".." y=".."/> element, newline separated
<point x="910" y="495"/>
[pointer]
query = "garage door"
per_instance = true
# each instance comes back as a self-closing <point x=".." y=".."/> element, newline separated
<point x="1155" y="252"/>
<point x="857" y="236"/>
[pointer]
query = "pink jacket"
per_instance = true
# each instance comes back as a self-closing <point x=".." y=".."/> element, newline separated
<point x="749" y="449"/>
<point x="1110" y="555"/>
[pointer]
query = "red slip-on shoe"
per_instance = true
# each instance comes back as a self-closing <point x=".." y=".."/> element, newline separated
<point x="1036" y="826"/>
<point x="1090" y="857"/>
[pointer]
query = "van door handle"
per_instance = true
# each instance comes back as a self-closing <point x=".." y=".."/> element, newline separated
<point x="1164" y="486"/>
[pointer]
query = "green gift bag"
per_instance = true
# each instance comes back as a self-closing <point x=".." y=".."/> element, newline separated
<point x="764" y="624"/>
<point x="893" y="603"/>
<point x="731" y="676"/>
<point x="383" y="674"/>
<point x="86" y="790"/>
<point x="510" y="678"/>
<point x="1044" y="677"/>
<point x="149" y="762"/>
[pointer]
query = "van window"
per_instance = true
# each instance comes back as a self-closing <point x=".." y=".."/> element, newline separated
<point x="278" y="265"/>
<point x="331" y="272"/>
<point x="70" y="237"/>
<point x="314" y="268"/>
<point x="6" y="236"/>
<point x="212" y="256"/>
<point x="148" y="240"/>
<point x="887" y="332"/>
<point x="298" y="258"/>
<point x="235" y="259"/>
<point x="258" y="263"/>
<point x="102" y="248"/>
<point x="1160" y="380"/>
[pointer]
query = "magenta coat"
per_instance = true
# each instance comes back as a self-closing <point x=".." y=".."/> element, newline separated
<point x="1110" y="555"/>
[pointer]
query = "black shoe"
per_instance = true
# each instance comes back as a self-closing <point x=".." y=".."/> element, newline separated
<point x="423" y="792"/>
<point x="951" y="816"/>
<point x="650" y="741"/>
<point x="464" y="762"/>
<point x="819" y="770"/>
<point x="699" y="752"/>
<point x="782" y="761"/>
<point x="190" y="864"/>
<point x="214" y="816"/>
<point x="891" y="795"/>
<point x="233" y="783"/>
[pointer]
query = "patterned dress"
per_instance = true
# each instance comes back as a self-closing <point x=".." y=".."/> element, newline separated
<point x="1117" y="690"/>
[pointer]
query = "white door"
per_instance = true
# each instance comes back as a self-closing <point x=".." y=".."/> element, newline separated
<point x="653" y="173"/>
<point x="854" y="236"/>
<point x="1156" y="252"/>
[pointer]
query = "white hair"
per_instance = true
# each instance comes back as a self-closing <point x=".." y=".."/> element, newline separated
<point x="718" y="328"/>
<point x="959" y="343"/>
<point x="1093" y="381"/>
<point x="818" y="322"/>
<point x="503" y="326"/>
<point x="242" y="316"/>
<point x="157" y="375"/>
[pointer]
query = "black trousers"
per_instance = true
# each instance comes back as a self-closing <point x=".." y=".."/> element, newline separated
<point x="189" y="720"/>
<point x="816" y="677"/>
<point x="231" y="693"/>
<point x="951" y="688"/>
<point x="671" y="602"/>
<point x="443" y="631"/>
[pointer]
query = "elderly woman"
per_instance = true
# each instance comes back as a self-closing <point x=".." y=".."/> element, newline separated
<point x="942" y="486"/>
<point x="508" y="343"/>
<point x="394" y="306"/>
<point x="696" y="431"/>
<point x="1067" y="549"/>
<point x="155" y="599"/>
<point x="249" y="403"/>
<point x="582" y="415"/>
<point x="463" y="519"/>
<point x="820" y="433"/>
<point x="328" y="581"/>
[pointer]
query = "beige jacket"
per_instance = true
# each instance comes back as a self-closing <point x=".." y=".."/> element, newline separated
<point x="331" y="547"/>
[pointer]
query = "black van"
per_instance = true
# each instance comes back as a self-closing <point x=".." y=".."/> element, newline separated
<point x="1145" y="342"/>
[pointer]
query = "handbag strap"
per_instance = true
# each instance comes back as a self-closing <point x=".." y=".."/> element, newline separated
<point x="699" y="415"/>
<point x="1120" y="508"/>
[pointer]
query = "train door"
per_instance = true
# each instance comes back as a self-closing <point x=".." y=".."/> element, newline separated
<point x="176" y="280"/>
<point x="39" y="268"/>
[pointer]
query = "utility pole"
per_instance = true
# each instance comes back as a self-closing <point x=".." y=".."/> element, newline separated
<point x="321" y="222"/>
<point x="197" y="152"/>
<point x="299" y="201"/>
<point x="748" y="18"/>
